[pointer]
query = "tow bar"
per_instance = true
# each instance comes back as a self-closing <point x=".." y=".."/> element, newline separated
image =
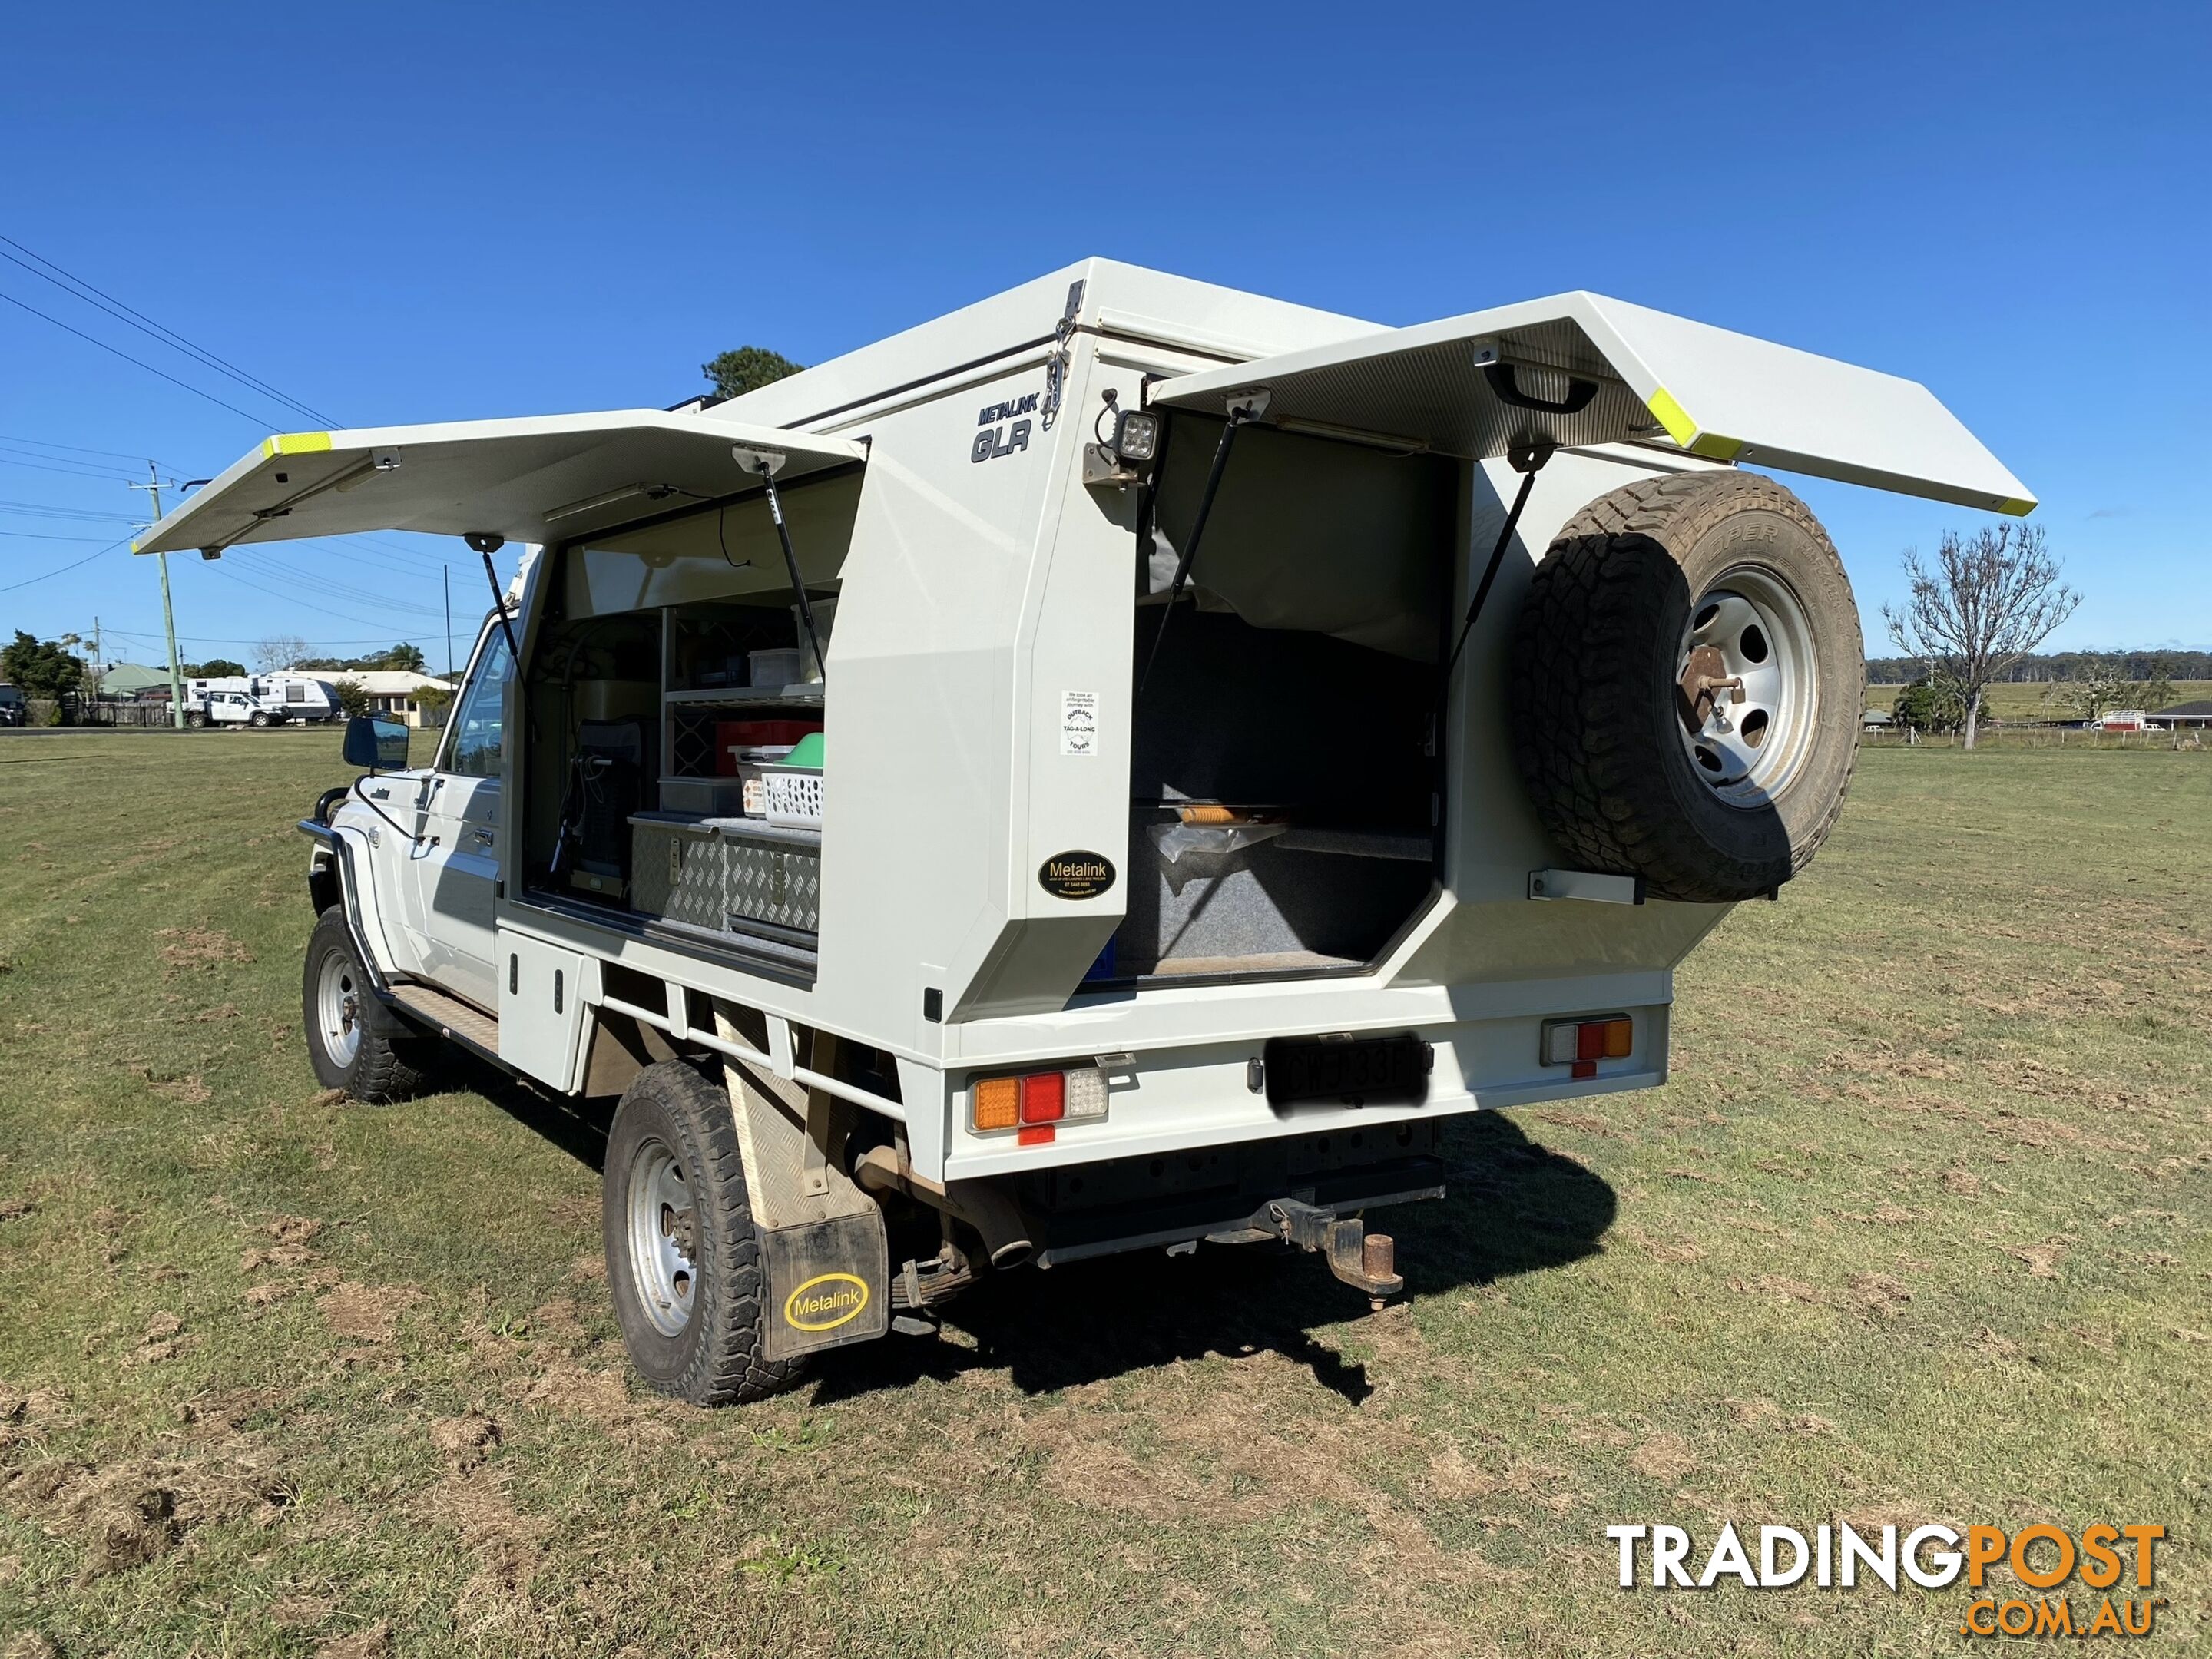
<point x="1366" y="1261"/>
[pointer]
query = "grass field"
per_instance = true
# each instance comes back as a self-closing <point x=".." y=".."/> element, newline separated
<point x="1918" y="1231"/>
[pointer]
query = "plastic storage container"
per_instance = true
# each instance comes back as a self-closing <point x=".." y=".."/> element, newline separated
<point x="784" y="665"/>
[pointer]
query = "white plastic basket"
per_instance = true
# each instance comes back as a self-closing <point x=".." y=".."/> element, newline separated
<point x="795" y="797"/>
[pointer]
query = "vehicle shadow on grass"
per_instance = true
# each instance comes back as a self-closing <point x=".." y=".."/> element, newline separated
<point x="1511" y="1207"/>
<point x="577" y="1125"/>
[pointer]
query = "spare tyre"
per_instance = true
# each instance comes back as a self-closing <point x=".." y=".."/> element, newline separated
<point x="1687" y="687"/>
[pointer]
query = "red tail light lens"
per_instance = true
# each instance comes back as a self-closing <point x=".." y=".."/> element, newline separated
<point x="1044" y="1098"/>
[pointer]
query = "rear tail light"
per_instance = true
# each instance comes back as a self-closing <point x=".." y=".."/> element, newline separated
<point x="1033" y="1103"/>
<point x="1581" y="1043"/>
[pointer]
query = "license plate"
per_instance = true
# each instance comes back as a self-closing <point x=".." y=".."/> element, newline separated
<point x="1348" y="1071"/>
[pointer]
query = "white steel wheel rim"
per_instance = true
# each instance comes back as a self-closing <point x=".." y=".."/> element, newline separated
<point x="663" y="1237"/>
<point x="337" y="1008"/>
<point x="1750" y="628"/>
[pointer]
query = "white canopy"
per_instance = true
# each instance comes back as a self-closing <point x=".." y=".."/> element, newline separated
<point x="541" y="478"/>
<point x="1580" y="368"/>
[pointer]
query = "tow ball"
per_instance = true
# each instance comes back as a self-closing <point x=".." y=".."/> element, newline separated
<point x="1366" y="1261"/>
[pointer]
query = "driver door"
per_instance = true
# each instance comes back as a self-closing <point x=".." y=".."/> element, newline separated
<point x="456" y="865"/>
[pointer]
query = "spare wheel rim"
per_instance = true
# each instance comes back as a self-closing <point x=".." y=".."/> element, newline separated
<point x="337" y="1008"/>
<point x="1749" y="636"/>
<point x="663" y="1237"/>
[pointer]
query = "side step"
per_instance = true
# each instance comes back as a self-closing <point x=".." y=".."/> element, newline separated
<point x="449" y="1017"/>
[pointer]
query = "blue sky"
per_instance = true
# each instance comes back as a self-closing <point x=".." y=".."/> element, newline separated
<point x="406" y="213"/>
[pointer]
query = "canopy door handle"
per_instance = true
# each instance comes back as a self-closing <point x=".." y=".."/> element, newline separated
<point x="1504" y="385"/>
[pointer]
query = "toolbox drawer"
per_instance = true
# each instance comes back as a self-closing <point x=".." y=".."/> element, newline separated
<point x="723" y="873"/>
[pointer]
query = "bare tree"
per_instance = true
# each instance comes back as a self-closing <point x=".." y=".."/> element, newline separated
<point x="1989" y="599"/>
<point x="280" y="651"/>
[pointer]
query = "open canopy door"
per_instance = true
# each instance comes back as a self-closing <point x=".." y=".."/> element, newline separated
<point x="543" y="478"/>
<point x="1580" y="368"/>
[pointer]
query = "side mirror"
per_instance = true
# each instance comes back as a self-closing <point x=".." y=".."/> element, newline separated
<point x="378" y="744"/>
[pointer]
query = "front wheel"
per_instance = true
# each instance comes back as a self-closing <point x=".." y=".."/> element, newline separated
<point x="354" y="1042"/>
<point x="258" y="718"/>
<point x="683" y="1261"/>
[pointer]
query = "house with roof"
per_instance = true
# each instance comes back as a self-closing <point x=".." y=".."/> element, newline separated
<point x="396" y="693"/>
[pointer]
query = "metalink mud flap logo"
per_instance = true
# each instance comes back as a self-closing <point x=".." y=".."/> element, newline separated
<point x="825" y="1301"/>
<point x="1075" y="875"/>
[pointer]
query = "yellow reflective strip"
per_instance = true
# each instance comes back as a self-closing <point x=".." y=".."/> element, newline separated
<point x="134" y="544"/>
<point x="270" y="446"/>
<point x="300" y="443"/>
<point x="1713" y="446"/>
<point x="1672" y="415"/>
<point x="2016" y="509"/>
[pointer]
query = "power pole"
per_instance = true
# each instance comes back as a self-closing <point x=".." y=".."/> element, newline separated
<point x="153" y="488"/>
<point x="448" y="571"/>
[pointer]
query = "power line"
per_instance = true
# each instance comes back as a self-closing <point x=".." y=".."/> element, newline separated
<point x="272" y="570"/>
<point x="259" y="419"/>
<point x="289" y="598"/>
<point x="65" y="570"/>
<point x="226" y="638"/>
<point x="78" y="449"/>
<point x="48" y="510"/>
<point x="162" y="334"/>
<point x="48" y="464"/>
<point x="42" y="536"/>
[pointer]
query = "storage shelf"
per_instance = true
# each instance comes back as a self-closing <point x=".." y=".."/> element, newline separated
<point x="796" y="697"/>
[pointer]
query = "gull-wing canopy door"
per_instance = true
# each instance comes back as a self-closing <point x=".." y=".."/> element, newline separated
<point x="541" y="478"/>
<point x="1579" y="368"/>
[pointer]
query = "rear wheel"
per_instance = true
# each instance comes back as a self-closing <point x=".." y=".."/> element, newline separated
<point x="354" y="1042"/>
<point x="683" y="1263"/>
<point x="1687" y="683"/>
<point x="194" y="717"/>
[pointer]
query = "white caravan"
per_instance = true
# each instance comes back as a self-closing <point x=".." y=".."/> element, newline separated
<point x="1250" y="738"/>
<point x="269" y="699"/>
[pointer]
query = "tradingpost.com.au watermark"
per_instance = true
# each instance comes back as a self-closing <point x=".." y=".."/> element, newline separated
<point x="2099" y="1558"/>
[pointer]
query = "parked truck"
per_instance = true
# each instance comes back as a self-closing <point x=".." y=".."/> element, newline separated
<point x="1119" y="767"/>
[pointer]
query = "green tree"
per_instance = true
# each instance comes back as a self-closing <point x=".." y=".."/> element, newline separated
<point x="214" y="668"/>
<point x="748" y="369"/>
<point x="41" y="668"/>
<point x="1934" y="702"/>
<point x="353" y="697"/>
<point x="403" y="655"/>
<point x="2156" y="690"/>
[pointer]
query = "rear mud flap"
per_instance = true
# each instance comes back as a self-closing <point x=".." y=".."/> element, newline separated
<point x="828" y="1283"/>
<point x="823" y="1246"/>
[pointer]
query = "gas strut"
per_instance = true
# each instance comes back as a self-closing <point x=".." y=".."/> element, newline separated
<point x="488" y="542"/>
<point x="1528" y="459"/>
<point x="765" y="462"/>
<point x="1243" y="407"/>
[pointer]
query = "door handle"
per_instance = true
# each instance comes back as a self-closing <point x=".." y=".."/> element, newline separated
<point x="483" y="836"/>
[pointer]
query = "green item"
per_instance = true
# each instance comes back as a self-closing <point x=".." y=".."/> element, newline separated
<point x="807" y="753"/>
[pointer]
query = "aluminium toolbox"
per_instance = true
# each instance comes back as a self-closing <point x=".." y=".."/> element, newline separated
<point x="728" y="875"/>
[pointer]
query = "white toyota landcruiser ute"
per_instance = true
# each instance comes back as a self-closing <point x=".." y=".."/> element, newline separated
<point x="1118" y="767"/>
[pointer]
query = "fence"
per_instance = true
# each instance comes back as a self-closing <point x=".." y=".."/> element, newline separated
<point x="2015" y="736"/>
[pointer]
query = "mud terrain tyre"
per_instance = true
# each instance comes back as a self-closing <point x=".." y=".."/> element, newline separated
<point x="1687" y="683"/>
<point x="683" y="1263"/>
<point x="354" y="1042"/>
